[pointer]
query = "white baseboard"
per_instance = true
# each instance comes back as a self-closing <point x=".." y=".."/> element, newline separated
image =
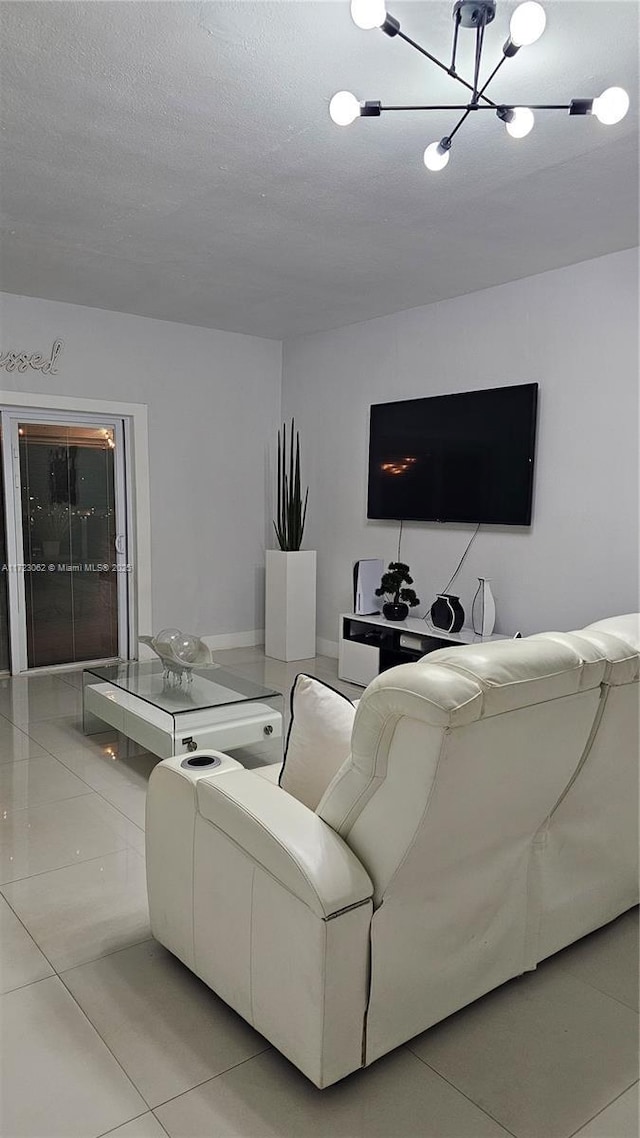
<point x="327" y="647"/>
<point x="235" y="639"/>
<point x="244" y="640"/>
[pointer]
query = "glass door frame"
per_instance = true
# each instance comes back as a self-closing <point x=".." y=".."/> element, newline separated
<point x="10" y="419"/>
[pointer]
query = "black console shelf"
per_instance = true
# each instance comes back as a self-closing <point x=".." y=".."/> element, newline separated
<point x="370" y="644"/>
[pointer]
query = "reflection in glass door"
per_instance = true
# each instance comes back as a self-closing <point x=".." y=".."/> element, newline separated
<point x="70" y="590"/>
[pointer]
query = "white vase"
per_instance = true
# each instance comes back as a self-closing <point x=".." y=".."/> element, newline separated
<point x="290" y="604"/>
<point x="483" y="610"/>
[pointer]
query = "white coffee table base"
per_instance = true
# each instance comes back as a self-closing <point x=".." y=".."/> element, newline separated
<point x="216" y="728"/>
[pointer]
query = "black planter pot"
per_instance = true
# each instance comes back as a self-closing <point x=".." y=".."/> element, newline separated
<point x="447" y="613"/>
<point x="395" y="612"/>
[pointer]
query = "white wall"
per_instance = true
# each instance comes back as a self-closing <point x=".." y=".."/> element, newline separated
<point x="214" y="410"/>
<point x="214" y="407"/>
<point x="575" y="332"/>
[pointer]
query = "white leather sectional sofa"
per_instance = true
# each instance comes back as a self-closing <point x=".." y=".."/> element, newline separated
<point x="486" y="818"/>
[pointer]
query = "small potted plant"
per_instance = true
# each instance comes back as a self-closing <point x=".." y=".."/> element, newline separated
<point x="393" y="586"/>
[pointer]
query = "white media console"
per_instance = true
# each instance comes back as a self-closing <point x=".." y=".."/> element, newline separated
<point x="368" y="645"/>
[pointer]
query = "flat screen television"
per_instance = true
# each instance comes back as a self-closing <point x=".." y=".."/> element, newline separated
<point x="455" y="458"/>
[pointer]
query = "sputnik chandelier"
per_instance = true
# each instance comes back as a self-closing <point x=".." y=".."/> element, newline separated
<point x="527" y="25"/>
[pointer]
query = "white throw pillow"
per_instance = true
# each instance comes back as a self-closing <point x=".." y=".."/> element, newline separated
<point x="318" y="740"/>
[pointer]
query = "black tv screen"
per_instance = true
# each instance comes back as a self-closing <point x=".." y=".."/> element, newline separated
<point x="455" y="458"/>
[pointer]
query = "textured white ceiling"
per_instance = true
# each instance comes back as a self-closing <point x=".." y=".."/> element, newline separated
<point x="177" y="160"/>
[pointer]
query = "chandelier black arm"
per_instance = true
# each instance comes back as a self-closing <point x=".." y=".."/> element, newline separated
<point x="452" y="133"/>
<point x="442" y="66"/>
<point x="478" y="60"/>
<point x="493" y="74"/>
<point x="476" y="94"/>
<point x="454" y="49"/>
<point x="475" y="107"/>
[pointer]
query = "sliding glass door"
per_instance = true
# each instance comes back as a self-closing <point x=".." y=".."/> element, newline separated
<point x="67" y="539"/>
<point x="4" y="606"/>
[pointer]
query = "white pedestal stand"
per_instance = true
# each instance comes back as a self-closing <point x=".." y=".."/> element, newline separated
<point x="290" y="604"/>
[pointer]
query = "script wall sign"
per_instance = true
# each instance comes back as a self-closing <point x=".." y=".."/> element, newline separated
<point x="22" y="361"/>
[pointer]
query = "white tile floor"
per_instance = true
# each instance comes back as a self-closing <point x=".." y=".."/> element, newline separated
<point x="103" y="1032"/>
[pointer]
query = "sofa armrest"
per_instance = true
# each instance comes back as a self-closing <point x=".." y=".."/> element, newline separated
<point x="287" y="839"/>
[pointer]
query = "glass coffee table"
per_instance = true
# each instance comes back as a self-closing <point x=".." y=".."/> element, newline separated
<point x="213" y="709"/>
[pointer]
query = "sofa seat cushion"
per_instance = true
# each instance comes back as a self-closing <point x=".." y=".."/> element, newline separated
<point x="271" y="772"/>
<point x="318" y="740"/>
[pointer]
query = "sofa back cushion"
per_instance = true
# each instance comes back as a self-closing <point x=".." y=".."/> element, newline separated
<point x="456" y="762"/>
<point x="411" y="717"/>
<point x="586" y="863"/>
<point x="625" y="627"/>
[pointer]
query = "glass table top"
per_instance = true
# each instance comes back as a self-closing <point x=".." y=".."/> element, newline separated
<point x="208" y="687"/>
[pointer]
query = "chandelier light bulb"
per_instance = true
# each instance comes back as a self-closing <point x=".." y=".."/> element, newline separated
<point x="522" y="123"/>
<point x="527" y="24"/>
<point x="344" y="108"/>
<point x="367" y="14"/>
<point x="611" y="106"/>
<point x="436" y="157"/>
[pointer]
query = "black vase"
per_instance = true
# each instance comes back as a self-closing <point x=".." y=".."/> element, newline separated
<point x="447" y="613"/>
<point x="395" y="612"/>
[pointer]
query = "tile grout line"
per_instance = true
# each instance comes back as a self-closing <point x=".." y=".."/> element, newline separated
<point x="35" y="722"/>
<point x="18" y="918"/>
<point x="106" y="955"/>
<point x="461" y="1092"/>
<point x="160" y="1124"/>
<point x="27" y="759"/>
<point x="29" y="984"/>
<point x="595" y="987"/>
<point x="5" y="884"/>
<point x="114" y="1130"/>
<point x="92" y="788"/>
<point x="60" y="974"/>
<point x="103" y="1040"/>
<point x="597" y="1115"/>
<point x="109" y="803"/>
<point x="212" y="1078"/>
<point x="52" y="801"/>
<point x="129" y="1077"/>
<point x="573" y="1133"/>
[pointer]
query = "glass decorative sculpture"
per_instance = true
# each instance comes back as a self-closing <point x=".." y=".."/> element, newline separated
<point x="180" y="653"/>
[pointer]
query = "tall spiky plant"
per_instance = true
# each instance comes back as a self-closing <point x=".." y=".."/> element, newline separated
<point x="291" y="510"/>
